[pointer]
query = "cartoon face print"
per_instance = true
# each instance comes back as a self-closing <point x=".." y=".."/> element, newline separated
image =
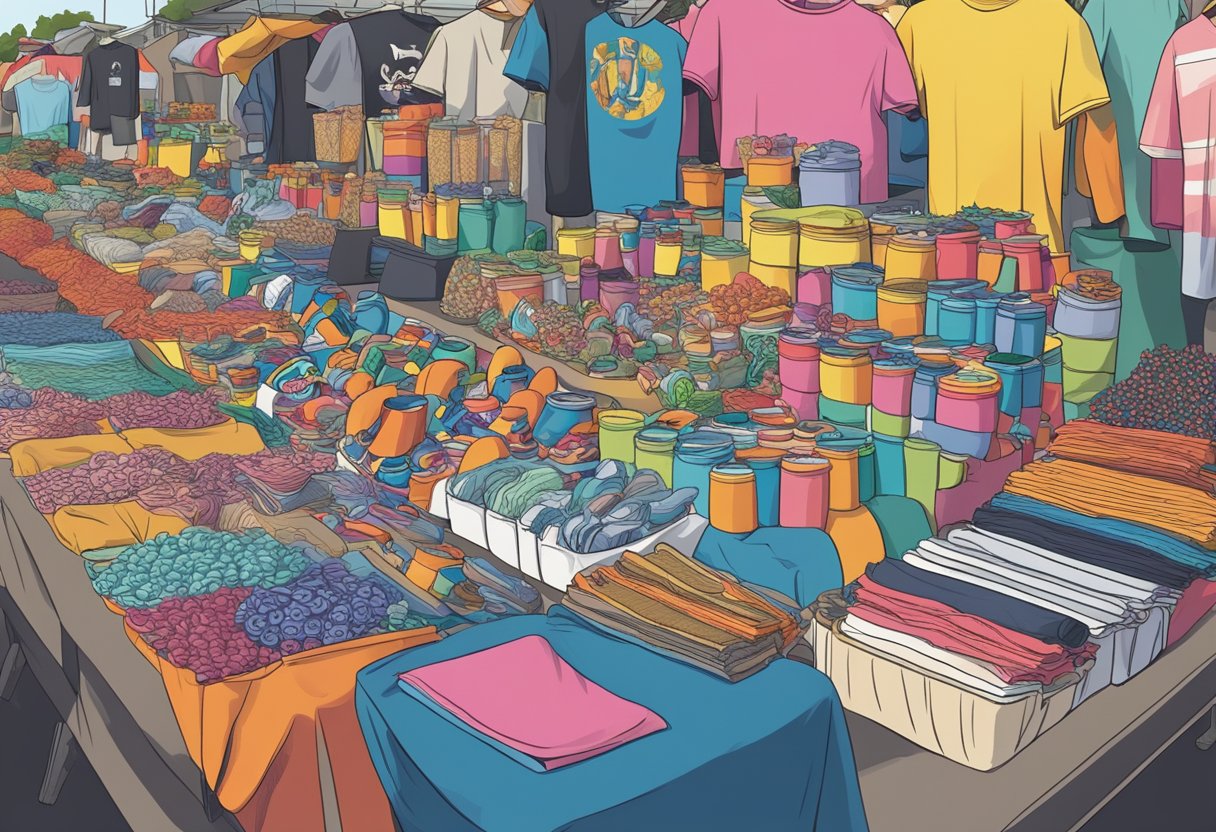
<point x="397" y="76"/>
<point x="115" y="79"/>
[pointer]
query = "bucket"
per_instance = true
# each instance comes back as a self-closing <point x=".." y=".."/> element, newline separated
<point x="892" y="387"/>
<point x="576" y="242"/>
<point x="695" y="456"/>
<point x="798" y="360"/>
<point x="1021" y="326"/>
<point x="616" y="293"/>
<point x="829" y="235"/>
<point x="753" y="200"/>
<point x="956" y="320"/>
<point x="910" y="255"/>
<point x="844" y="492"/>
<point x="617" y="431"/>
<point x="958" y="255"/>
<point x="767" y="171"/>
<point x="880" y="238"/>
<point x="562" y="411"/>
<point x="704" y="185"/>
<point x="668" y="249"/>
<point x="968" y="400"/>
<point x="774" y="242"/>
<point x="855" y="290"/>
<point x="805" y="491"/>
<point x="1018" y="224"/>
<point x="829" y="173"/>
<point x="846" y="375"/>
<point x="1082" y="317"/>
<point x="732" y="498"/>
<point x="924" y="389"/>
<point x="1021" y="396"/>
<point x="721" y="260"/>
<point x="654" y="448"/>
<point x="1027" y="252"/>
<point x="901" y="307"/>
<point x="765" y="463"/>
<point x="1089" y="355"/>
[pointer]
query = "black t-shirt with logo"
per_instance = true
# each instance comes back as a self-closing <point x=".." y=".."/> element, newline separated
<point x="391" y="45"/>
<point x="109" y="84"/>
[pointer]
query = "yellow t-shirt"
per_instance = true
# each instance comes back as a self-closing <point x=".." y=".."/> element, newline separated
<point x="998" y="80"/>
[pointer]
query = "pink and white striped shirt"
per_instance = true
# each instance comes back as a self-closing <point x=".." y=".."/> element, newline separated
<point x="1180" y="134"/>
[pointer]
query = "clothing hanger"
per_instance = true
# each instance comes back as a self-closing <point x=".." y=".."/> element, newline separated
<point x="105" y="40"/>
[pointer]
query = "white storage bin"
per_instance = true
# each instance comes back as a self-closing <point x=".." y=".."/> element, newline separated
<point x="439" y="499"/>
<point x="468" y="521"/>
<point x="529" y="551"/>
<point x="559" y="565"/>
<point x="502" y="538"/>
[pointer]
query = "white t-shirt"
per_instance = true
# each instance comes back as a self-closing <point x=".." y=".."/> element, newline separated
<point x="464" y="64"/>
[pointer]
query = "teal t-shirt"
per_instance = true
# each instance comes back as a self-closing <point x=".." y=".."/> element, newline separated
<point x="1130" y="36"/>
<point x="635" y="109"/>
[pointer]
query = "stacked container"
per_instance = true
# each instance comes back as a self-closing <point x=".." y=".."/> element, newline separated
<point x="1086" y="320"/>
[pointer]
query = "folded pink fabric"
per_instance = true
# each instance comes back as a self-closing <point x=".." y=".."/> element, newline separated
<point x="524" y="695"/>
<point x="1013" y="656"/>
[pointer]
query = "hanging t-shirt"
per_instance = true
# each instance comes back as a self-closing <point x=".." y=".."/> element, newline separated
<point x="371" y="60"/>
<point x="549" y="55"/>
<point x="464" y="65"/>
<point x="996" y="117"/>
<point x="109" y="84"/>
<point x="42" y="103"/>
<point x="1130" y="37"/>
<point x="255" y="106"/>
<point x="816" y="72"/>
<point x="290" y="137"/>
<point x="635" y="108"/>
<point x="1180" y="124"/>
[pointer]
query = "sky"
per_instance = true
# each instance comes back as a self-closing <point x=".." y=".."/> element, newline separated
<point x="127" y="12"/>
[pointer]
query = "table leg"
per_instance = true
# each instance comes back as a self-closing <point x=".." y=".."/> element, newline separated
<point x="1208" y="738"/>
<point x="10" y="670"/>
<point x="63" y="754"/>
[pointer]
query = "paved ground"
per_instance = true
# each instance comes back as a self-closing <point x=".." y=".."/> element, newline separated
<point x="1175" y="794"/>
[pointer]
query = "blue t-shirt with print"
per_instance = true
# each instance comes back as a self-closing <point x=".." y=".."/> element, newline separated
<point x="635" y="106"/>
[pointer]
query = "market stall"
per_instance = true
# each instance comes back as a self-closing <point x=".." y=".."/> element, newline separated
<point x="355" y="420"/>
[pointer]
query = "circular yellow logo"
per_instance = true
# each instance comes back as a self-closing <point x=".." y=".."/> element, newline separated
<point x="625" y="78"/>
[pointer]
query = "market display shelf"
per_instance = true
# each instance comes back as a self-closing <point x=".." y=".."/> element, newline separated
<point x="608" y="392"/>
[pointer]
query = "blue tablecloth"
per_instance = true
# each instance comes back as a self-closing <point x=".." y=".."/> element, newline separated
<point x="799" y="563"/>
<point x="770" y="752"/>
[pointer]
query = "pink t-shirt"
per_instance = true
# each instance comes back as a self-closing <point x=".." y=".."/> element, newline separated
<point x="816" y="72"/>
<point x="1180" y="135"/>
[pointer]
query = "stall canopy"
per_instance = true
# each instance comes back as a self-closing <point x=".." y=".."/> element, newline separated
<point x="231" y="16"/>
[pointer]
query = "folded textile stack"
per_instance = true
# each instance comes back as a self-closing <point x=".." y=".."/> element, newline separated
<point x="1182" y="460"/>
<point x="1101" y="492"/>
<point x="541" y="712"/>
<point x="684" y="610"/>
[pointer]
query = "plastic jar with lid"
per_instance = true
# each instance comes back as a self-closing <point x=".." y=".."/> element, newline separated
<point x="901" y="307"/>
<point x="654" y="448"/>
<point x="911" y="255"/>
<point x="855" y="290"/>
<point x="562" y="411"/>
<point x="732" y="498"/>
<point x="696" y="454"/>
<point x="805" y="491"/>
<point x="617" y="432"/>
<point x="846" y="375"/>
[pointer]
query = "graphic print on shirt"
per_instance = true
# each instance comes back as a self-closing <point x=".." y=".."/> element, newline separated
<point x="624" y="76"/>
<point x="115" y="74"/>
<point x="398" y="76"/>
